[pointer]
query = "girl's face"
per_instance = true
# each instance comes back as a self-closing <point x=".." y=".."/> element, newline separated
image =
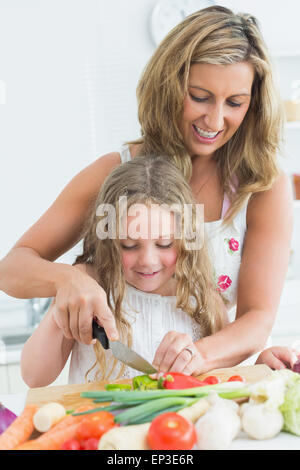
<point x="149" y="252"/>
<point x="217" y="101"/>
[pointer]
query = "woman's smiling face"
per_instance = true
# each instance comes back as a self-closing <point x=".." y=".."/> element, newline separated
<point x="217" y="101"/>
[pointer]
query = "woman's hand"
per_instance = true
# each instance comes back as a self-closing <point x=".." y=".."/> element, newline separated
<point x="178" y="353"/>
<point x="78" y="300"/>
<point x="278" y="357"/>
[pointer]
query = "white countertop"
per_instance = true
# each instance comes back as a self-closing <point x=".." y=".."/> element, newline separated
<point x="284" y="441"/>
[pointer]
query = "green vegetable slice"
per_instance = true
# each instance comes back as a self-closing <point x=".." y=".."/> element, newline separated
<point x="119" y="387"/>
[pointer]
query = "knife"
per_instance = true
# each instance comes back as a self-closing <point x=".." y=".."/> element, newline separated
<point x="122" y="352"/>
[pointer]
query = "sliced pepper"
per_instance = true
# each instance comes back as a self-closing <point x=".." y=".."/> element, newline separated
<point x="179" y="381"/>
<point x="118" y="387"/>
<point x="144" y="382"/>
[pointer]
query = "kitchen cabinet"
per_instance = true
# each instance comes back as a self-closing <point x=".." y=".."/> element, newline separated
<point x="14" y="379"/>
<point x="11" y="381"/>
<point x="4" y="385"/>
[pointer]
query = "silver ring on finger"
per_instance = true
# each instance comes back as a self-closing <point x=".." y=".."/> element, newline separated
<point x="192" y="353"/>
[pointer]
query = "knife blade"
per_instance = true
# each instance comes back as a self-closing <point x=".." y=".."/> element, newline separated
<point x="122" y="352"/>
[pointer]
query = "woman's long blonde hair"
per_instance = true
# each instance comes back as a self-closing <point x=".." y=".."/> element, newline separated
<point x="149" y="180"/>
<point x="214" y="35"/>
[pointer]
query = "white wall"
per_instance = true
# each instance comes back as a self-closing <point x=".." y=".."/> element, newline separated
<point x="45" y="123"/>
<point x="279" y="21"/>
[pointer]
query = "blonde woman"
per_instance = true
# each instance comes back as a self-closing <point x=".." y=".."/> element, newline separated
<point x="207" y="100"/>
<point x="158" y="283"/>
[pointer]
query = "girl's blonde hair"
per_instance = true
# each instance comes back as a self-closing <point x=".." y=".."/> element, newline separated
<point x="214" y="35"/>
<point x="149" y="180"/>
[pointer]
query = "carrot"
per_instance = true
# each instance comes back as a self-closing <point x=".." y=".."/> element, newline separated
<point x="30" y="445"/>
<point x="69" y="420"/>
<point x="51" y="440"/>
<point x="56" y="436"/>
<point x="20" y="429"/>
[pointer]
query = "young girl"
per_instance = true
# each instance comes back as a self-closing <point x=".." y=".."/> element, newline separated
<point x="160" y="290"/>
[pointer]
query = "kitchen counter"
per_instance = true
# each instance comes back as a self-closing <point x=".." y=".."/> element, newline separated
<point x="283" y="441"/>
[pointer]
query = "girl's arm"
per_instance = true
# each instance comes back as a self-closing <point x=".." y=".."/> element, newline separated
<point x="278" y="357"/>
<point x="262" y="274"/>
<point x="28" y="270"/>
<point x="45" y="353"/>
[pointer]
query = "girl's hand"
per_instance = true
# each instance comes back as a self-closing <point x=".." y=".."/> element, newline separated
<point x="177" y="353"/>
<point x="277" y="357"/>
<point x="78" y="300"/>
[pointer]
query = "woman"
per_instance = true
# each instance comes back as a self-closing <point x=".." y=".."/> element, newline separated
<point x="207" y="99"/>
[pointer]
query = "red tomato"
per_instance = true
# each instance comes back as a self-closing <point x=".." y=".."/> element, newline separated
<point x="236" y="378"/>
<point x="71" y="444"/>
<point x="171" y="431"/>
<point x="95" y="425"/>
<point x="90" y="444"/>
<point x="211" y="380"/>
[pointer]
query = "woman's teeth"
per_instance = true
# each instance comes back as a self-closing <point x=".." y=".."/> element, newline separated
<point x="202" y="133"/>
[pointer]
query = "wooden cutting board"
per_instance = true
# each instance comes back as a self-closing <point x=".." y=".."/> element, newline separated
<point x="69" y="395"/>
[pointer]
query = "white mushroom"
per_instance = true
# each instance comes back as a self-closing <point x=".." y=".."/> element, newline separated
<point x="219" y="426"/>
<point x="260" y="422"/>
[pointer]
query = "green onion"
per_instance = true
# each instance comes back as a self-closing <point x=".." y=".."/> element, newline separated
<point x="129" y="416"/>
<point x="233" y="394"/>
<point x="142" y="406"/>
<point x="150" y="417"/>
<point x="128" y="403"/>
<point x="113" y="406"/>
<point x="117" y="396"/>
<point x="93" y="410"/>
<point x="100" y="399"/>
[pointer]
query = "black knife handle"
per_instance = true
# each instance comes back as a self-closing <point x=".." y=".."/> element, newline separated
<point x="99" y="333"/>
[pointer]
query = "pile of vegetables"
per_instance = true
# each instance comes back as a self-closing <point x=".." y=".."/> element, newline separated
<point x="274" y="405"/>
<point x="176" y="412"/>
<point x="60" y="427"/>
<point x="171" y="380"/>
<point x="141" y="406"/>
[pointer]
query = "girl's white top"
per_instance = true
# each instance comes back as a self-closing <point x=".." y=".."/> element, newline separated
<point x="152" y="316"/>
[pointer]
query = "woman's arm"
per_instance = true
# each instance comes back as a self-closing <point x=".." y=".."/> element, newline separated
<point x="28" y="270"/>
<point x="45" y="353"/>
<point x="261" y="278"/>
